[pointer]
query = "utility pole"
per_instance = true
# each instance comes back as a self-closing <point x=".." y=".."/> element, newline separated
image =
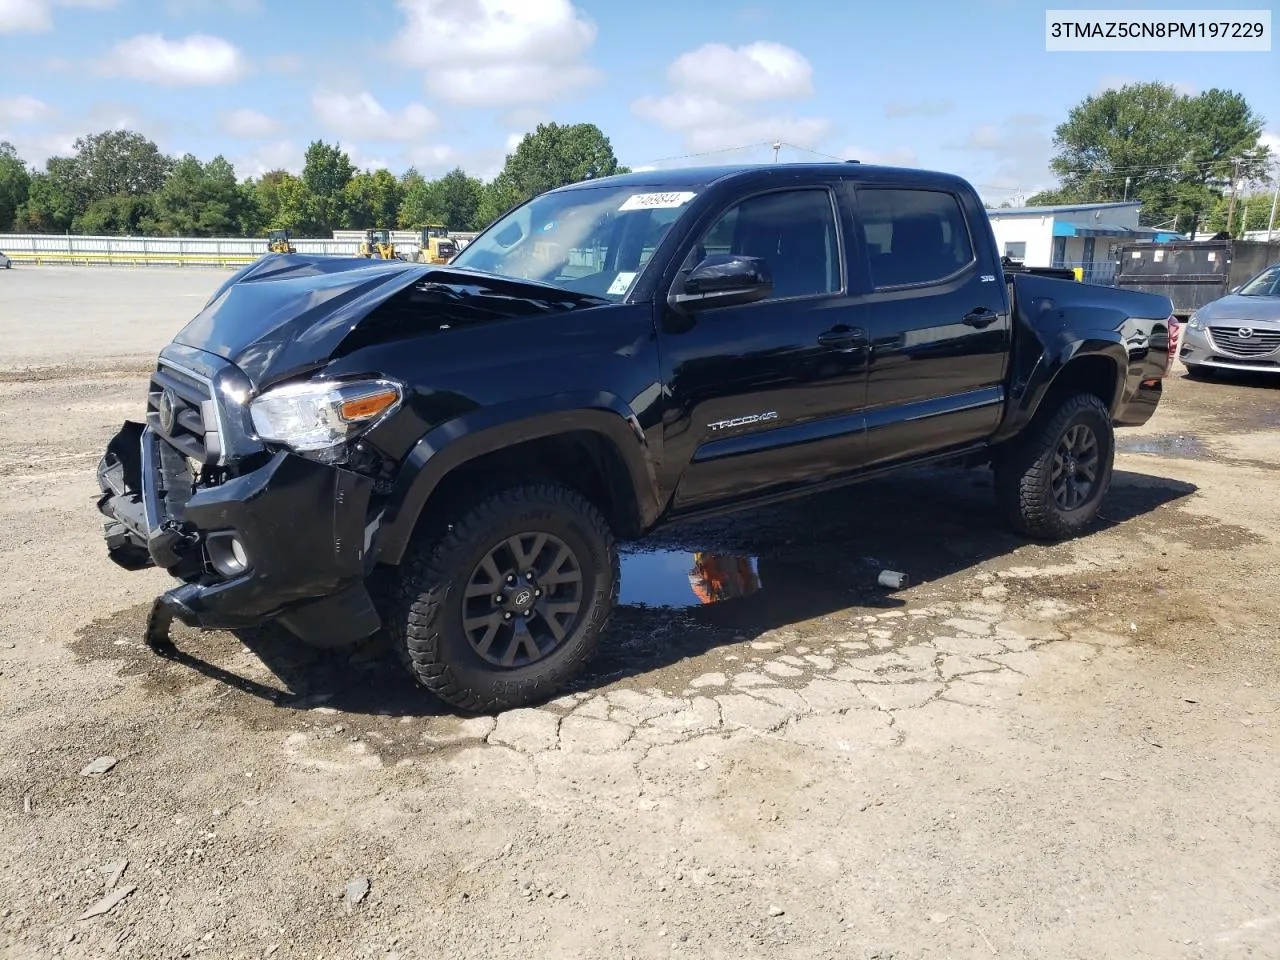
<point x="1271" y="222"/>
<point x="1126" y="188"/>
<point x="776" y="147"/>
<point x="1235" y="181"/>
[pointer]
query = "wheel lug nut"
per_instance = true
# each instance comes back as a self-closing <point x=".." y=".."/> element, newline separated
<point x="506" y="616"/>
<point x="511" y="578"/>
<point x="537" y="593"/>
<point x="528" y="613"/>
<point x="529" y="576"/>
<point x="499" y="598"/>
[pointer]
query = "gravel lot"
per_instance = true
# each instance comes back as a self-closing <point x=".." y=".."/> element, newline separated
<point x="1040" y="752"/>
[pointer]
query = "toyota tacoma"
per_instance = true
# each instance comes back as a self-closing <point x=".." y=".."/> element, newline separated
<point x="451" y="453"/>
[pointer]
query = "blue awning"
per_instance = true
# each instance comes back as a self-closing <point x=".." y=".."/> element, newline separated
<point x="1062" y="228"/>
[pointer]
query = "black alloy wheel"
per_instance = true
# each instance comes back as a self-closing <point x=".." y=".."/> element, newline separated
<point x="1075" y="467"/>
<point x="522" y="600"/>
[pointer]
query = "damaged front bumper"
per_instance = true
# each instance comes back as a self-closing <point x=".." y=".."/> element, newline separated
<point x="283" y="542"/>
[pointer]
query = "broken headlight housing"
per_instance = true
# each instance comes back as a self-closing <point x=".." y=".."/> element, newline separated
<point x="318" y="418"/>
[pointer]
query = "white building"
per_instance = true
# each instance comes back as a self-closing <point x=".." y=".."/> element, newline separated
<point x="1072" y="235"/>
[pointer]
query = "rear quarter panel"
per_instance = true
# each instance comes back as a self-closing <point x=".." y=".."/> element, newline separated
<point x="1058" y="322"/>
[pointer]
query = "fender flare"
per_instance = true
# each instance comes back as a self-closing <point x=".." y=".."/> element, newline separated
<point x="489" y="429"/>
<point x="1026" y="397"/>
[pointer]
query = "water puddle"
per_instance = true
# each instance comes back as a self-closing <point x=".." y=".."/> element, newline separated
<point x="678" y="580"/>
<point x="748" y="592"/>
<point x="1164" y="445"/>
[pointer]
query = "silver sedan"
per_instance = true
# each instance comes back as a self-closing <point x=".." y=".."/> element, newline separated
<point x="1240" y="331"/>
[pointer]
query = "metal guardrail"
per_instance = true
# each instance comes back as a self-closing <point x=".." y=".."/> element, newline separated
<point x="158" y="251"/>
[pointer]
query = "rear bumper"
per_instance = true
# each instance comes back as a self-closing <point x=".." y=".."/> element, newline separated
<point x="300" y="526"/>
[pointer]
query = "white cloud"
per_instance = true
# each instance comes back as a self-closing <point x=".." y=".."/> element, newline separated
<point x="505" y="84"/>
<point x="197" y="59"/>
<point x="514" y="140"/>
<point x="180" y="8"/>
<point x="278" y="155"/>
<point x="493" y="52"/>
<point x="249" y="124"/>
<point x="715" y="103"/>
<point x="1009" y="156"/>
<point x="284" y="63"/>
<point x="919" y="108"/>
<point x="36" y="16"/>
<point x="24" y="109"/>
<point x="892" y="157"/>
<point x="362" y="117"/>
<point x="25" y="16"/>
<point x="756" y="71"/>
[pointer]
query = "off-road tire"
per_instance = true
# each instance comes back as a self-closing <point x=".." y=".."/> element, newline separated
<point x="427" y="603"/>
<point x="1024" y="471"/>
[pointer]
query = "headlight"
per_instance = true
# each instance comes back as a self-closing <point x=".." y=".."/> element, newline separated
<point x="1194" y="321"/>
<point x="321" y="415"/>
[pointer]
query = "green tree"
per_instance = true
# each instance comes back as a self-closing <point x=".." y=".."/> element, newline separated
<point x="15" y="184"/>
<point x="555" y="155"/>
<point x="199" y="200"/>
<point x="414" y="199"/>
<point x="497" y="197"/>
<point x="326" y="171"/>
<point x="52" y="200"/>
<point x="285" y="203"/>
<point x="119" y="163"/>
<point x="372" y="199"/>
<point x="1177" y="151"/>
<point x="457" y="197"/>
<point x="120" y="214"/>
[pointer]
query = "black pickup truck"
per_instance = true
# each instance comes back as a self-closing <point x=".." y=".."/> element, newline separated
<point x="452" y="452"/>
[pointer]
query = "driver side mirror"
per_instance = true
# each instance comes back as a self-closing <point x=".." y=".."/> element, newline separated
<point x="723" y="280"/>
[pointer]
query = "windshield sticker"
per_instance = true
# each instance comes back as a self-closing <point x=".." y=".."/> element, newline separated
<point x="656" y="201"/>
<point x="621" y="282"/>
<point x="1212" y="256"/>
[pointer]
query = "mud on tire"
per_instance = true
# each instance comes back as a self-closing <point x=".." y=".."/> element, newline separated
<point x="1050" y="483"/>
<point x="457" y="639"/>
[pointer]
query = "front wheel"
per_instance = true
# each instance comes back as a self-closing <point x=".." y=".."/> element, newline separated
<point x="507" y="605"/>
<point x="1051" y="482"/>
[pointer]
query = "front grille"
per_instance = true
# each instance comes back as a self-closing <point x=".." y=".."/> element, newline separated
<point x="193" y="415"/>
<point x="1258" y="343"/>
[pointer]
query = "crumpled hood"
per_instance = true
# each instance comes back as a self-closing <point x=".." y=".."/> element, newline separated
<point x="286" y="313"/>
<point x="1236" y="308"/>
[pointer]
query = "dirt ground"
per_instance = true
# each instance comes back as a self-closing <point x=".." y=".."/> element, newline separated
<point x="1041" y="752"/>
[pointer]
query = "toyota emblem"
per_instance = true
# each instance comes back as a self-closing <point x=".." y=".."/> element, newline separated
<point x="1244" y="333"/>
<point x="166" y="409"/>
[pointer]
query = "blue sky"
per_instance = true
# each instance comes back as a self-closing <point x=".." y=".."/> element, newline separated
<point x="964" y="86"/>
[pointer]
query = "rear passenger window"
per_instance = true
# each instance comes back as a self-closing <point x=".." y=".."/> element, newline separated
<point x="793" y="230"/>
<point x="913" y="236"/>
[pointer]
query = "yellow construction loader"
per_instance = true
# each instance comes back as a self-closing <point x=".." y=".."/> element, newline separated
<point x="278" y="242"/>
<point x="377" y="245"/>
<point x="435" y="245"/>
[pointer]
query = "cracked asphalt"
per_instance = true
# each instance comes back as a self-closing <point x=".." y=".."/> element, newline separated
<point x="1030" y="751"/>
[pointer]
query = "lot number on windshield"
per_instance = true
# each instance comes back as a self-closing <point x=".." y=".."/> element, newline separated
<point x="656" y="201"/>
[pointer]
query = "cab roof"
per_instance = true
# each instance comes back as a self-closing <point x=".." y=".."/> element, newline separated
<point x="696" y="177"/>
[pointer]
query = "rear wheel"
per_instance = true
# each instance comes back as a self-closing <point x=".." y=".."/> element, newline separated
<point x="507" y="605"/>
<point x="1051" y="482"/>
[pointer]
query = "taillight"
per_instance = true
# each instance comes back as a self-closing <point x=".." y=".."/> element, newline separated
<point x="1174" y="329"/>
